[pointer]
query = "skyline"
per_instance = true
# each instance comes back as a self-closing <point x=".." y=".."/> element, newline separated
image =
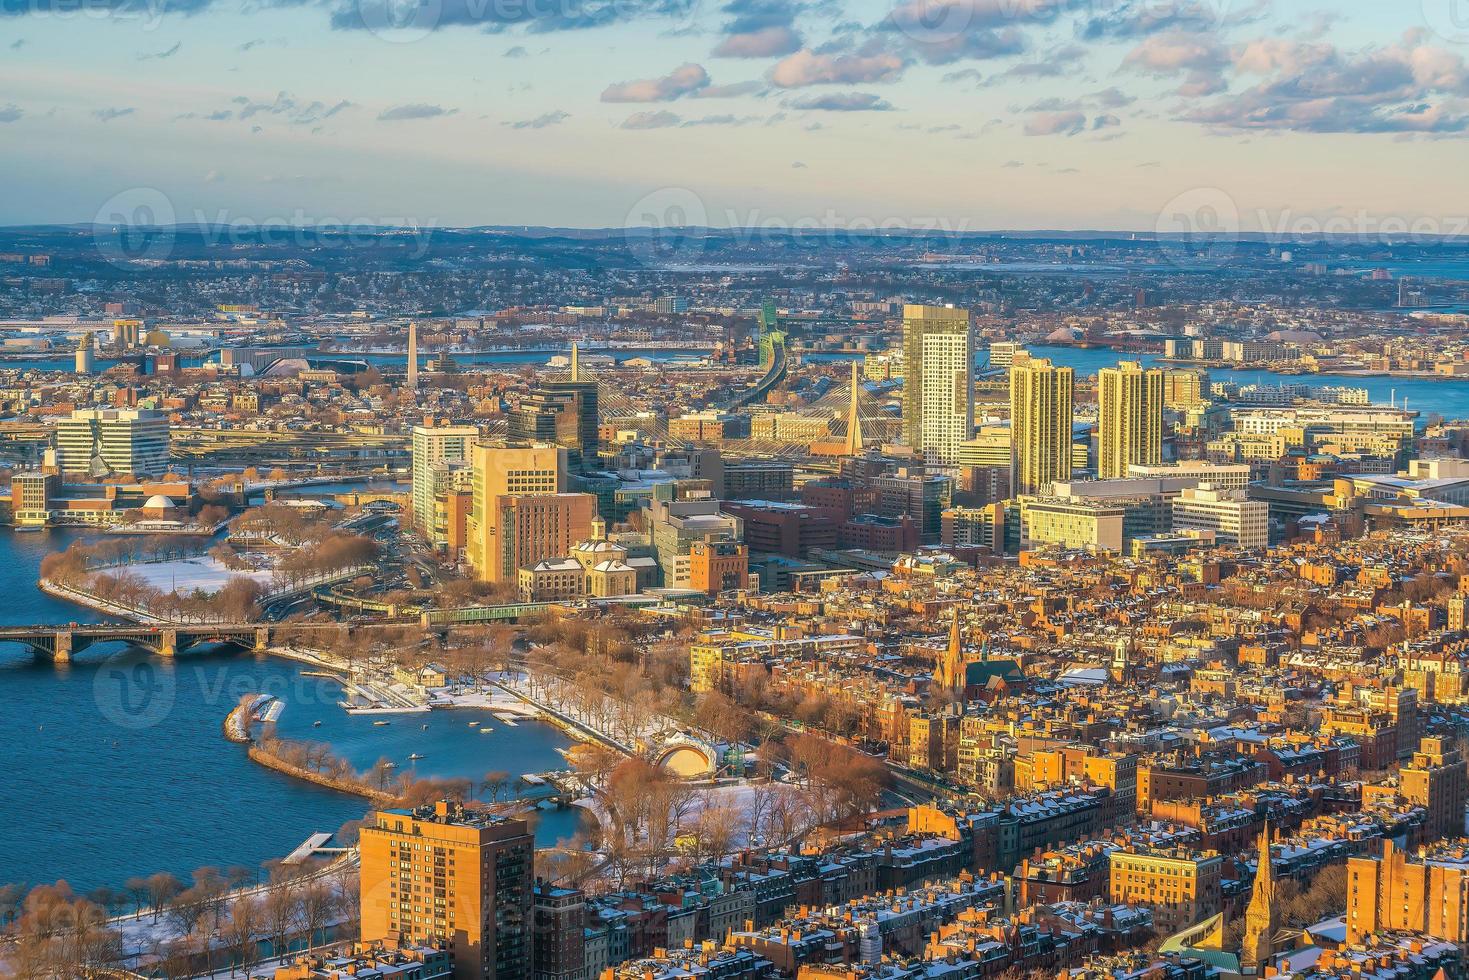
<point x="1022" y="114"/>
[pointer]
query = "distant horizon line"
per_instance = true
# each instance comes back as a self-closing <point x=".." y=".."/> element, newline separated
<point x="714" y="231"/>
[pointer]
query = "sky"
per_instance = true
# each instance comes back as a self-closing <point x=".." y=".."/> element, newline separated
<point x="961" y="115"/>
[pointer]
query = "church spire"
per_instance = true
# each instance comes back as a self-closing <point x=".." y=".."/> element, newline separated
<point x="1261" y="918"/>
<point x="950" y="675"/>
<point x="575" y="363"/>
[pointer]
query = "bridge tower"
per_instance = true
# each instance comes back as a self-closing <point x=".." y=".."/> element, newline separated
<point x="854" y="419"/>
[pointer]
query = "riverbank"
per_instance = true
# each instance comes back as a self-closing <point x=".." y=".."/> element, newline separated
<point x="269" y="760"/>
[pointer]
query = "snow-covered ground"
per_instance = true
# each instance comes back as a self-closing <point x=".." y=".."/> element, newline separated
<point x="187" y="575"/>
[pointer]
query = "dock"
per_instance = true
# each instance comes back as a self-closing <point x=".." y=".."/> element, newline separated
<point x="310" y="848"/>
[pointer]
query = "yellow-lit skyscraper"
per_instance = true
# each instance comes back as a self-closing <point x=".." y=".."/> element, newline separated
<point x="1040" y="421"/>
<point x="1131" y="429"/>
<point x="938" y="381"/>
<point x="506" y="471"/>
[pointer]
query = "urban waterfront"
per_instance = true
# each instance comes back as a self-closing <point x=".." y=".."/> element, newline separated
<point x="119" y="766"/>
<point x="1447" y="397"/>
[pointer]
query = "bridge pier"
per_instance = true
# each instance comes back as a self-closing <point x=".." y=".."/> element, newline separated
<point x="168" y="643"/>
<point x="262" y="639"/>
<point x="62" y="647"/>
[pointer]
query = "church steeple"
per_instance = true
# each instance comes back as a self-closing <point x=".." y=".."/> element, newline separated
<point x="950" y="673"/>
<point x="1261" y="919"/>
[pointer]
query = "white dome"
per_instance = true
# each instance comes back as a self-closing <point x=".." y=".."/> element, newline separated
<point x="158" y="502"/>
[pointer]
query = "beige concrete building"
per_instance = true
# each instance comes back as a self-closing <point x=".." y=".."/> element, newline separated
<point x="1131" y="429"/>
<point x="1041" y="409"/>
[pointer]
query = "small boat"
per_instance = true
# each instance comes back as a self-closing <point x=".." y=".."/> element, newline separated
<point x="316" y="724"/>
<point x="424" y="727"/>
<point x="486" y="730"/>
<point x="473" y="724"/>
<point x="415" y="756"/>
<point x="382" y="723"/>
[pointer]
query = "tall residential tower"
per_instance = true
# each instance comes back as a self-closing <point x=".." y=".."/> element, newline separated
<point x="938" y="381"/>
<point x="1131" y="431"/>
<point x="432" y="445"/>
<point x="1040" y="425"/>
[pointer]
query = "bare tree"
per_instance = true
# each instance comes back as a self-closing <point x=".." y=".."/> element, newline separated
<point x="240" y="932"/>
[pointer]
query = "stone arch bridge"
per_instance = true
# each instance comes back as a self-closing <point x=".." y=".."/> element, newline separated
<point x="61" y="643"/>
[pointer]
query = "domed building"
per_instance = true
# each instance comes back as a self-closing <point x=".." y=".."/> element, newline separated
<point x="159" y="508"/>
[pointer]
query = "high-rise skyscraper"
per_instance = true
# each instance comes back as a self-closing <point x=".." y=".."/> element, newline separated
<point x="449" y="873"/>
<point x="938" y="381"/>
<point x="1131" y="431"/>
<point x="434" y="444"/>
<point x="1040" y="425"/>
<point x="565" y="412"/>
<point x="506" y="471"/>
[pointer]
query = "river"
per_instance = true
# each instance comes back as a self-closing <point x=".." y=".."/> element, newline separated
<point x="1447" y="397"/>
<point x="119" y="768"/>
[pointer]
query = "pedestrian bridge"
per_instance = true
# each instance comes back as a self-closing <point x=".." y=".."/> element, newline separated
<point x="61" y="643"/>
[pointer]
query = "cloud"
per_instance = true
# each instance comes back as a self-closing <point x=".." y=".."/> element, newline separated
<point x="1056" y="63"/>
<point x="941" y="32"/>
<point x="843" y="102"/>
<point x="972" y="46"/>
<point x="250" y="45"/>
<point x="493" y="18"/>
<point x="518" y="51"/>
<point x="813" y="68"/>
<point x="733" y="90"/>
<point x="1133" y="19"/>
<point x="1201" y="60"/>
<point x="1056" y="124"/>
<point x="683" y="80"/>
<point x="965" y="75"/>
<point x="149" y="10"/>
<point x="286" y="108"/>
<point x="414" y="110"/>
<point x="109" y="114"/>
<point x="1404" y="88"/>
<point x="655" y="119"/>
<point x="554" y="118"/>
<point x="161" y="55"/>
<point x="765" y="42"/>
<point x="1112" y="98"/>
<point x="18" y="43"/>
<point x="723" y="119"/>
<point x="10" y="113"/>
<point x="760" y="29"/>
<point x="1105" y="122"/>
<point x="797" y="165"/>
